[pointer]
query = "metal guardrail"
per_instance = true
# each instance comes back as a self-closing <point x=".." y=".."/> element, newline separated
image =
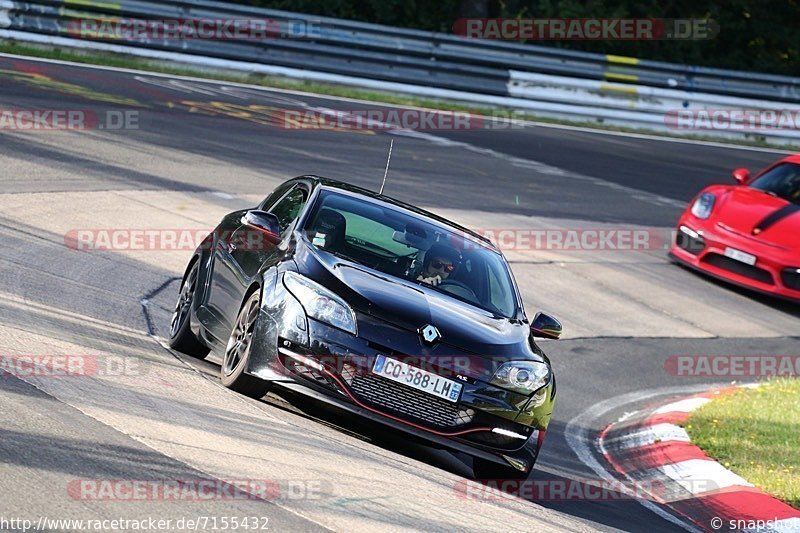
<point x="549" y="80"/>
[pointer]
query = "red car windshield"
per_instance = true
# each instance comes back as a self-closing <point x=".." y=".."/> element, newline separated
<point x="782" y="181"/>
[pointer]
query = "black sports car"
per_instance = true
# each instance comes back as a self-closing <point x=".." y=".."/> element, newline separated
<point x="377" y="307"/>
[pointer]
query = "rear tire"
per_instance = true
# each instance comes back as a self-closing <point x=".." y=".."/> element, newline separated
<point x="237" y="352"/>
<point x="181" y="337"/>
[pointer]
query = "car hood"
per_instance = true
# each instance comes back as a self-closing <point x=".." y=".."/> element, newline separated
<point x="753" y="213"/>
<point x="410" y="306"/>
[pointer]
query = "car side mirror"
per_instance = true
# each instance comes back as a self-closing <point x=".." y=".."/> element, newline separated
<point x="741" y="175"/>
<point x="265" y="222"/>
<point x="546" y="327"/>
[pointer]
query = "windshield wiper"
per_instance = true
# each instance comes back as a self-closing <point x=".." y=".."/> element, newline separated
<point x="339" y="255"/>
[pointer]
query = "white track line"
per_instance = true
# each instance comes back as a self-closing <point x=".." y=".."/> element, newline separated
<point x="700" y="476"/>
<point x="649" y="435"/>
<point x="684" y="406"/>
<point x="582" y="440"/>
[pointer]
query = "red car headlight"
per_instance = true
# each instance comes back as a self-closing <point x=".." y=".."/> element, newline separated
<point x="703" y="206"/>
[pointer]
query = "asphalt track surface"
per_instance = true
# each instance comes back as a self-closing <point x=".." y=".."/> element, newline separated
<point x="202" y="149"/>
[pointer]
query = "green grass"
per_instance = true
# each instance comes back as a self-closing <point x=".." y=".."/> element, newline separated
<point x="164" y="67"/>
<point x="756" y="434"/>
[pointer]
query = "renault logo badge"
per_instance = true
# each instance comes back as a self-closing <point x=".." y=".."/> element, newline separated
<point x="429" y="334"/>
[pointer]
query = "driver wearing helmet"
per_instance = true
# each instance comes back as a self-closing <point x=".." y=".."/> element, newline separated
<point x="440" y="261"/>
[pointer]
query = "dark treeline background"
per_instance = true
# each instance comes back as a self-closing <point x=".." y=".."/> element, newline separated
<point x="758" y="35"/>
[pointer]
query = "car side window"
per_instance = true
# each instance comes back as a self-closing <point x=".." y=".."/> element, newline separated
<point x="288" y="208"/>
<point x="276" y="195"/>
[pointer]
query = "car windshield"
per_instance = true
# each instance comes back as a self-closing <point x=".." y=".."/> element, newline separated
<point x="782" y="181"/>
<point x="416" y="249"/>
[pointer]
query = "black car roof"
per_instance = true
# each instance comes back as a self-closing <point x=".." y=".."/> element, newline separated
<point x="336" y="184"/>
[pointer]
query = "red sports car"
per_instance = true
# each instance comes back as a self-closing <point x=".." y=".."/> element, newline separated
<point x="749" y="233"/>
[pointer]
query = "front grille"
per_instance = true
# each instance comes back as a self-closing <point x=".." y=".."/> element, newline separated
<point x="737" y="267"/>
<point x="405" y="401"/>
<point x="791" y="278"/>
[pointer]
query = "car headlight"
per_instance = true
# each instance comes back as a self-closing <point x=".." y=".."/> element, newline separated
<point x="522" y="376"/>
<point x="703" y="206"/>
<point x="320" y="303"/>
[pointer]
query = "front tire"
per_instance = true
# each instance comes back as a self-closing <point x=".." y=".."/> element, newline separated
<point x="181" y="337"/>
<point x="237" y="352"/>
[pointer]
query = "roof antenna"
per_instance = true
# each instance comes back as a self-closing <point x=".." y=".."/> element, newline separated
<point x="386" y="172"/>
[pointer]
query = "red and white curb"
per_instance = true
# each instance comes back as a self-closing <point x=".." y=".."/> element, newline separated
<point x="650" y="449"/>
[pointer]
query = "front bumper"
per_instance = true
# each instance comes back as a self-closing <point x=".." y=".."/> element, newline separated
<point x="487" y="421"/>
<point x="701" y="245"/>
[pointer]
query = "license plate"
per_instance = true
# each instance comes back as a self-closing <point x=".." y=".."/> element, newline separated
<point x="416" y="378"/>
<point x="740" y="256"/>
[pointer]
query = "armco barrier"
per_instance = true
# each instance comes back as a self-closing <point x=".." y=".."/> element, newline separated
<point x="544" y="80"/>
